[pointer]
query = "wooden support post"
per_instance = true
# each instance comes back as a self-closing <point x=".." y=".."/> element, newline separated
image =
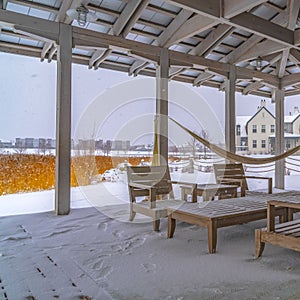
<point x="230" y="110"/>
<point x="278" y="98"/>
<point x="63" y="120"/>
<point x="162" y="105"/>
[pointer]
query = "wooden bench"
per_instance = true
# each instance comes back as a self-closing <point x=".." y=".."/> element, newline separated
<point x="217" y="214"/>
<point x="235" y="174"/>
<point x="155" y="183"/>
<point x="287" y="234"/>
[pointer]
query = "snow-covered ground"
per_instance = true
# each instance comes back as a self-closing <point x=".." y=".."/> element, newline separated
<point x="95" y="253"/>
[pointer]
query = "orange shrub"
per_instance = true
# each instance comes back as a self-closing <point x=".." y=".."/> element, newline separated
<point x="32" y="172"/>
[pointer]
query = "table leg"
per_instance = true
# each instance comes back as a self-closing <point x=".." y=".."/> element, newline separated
<point x="156" y="224"/>
<point x="212" y="236"/>
<point x="234" y="193"/>
<point x="171" y="226"/>
<point x="132" y="213"/>
<point x="259" y="245"/>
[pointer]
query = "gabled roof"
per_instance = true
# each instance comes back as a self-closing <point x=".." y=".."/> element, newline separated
<point x="260" y="110"/>
<point x="291" y="119"/>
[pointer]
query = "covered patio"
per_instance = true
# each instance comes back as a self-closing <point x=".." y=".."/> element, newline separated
<point x="246" y="46"/>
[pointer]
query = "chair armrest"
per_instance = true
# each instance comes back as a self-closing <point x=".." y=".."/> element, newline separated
<point x="140" y="185"/>
<point x="270" y="181"/>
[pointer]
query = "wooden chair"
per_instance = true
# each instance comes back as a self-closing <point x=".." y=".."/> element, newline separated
<point x="152" y="181"/>
<point x="234" y="174"/>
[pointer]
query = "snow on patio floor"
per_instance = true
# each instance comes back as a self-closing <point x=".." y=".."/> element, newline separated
<point x="90" y="255"/>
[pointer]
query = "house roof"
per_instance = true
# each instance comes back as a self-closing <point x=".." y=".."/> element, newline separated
<point x="258" y="111"/>
<point x="204" y="44"/>
<point x="292" y="118"/>
<point x="242" y="121"/>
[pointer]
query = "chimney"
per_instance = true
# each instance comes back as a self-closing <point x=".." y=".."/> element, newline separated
<point x="262" y="103"/>
<point x="296" y="110"/>
<point x="290" y="113"/>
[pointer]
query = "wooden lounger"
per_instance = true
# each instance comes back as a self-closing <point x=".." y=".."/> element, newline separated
<point x="217" y="214"/>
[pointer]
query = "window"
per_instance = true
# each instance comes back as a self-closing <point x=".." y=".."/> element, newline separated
<point x="263" y="143"/>
<point x="254" y="144"/>
<point x="272" y="128"/>
<point x="254" y="128"/>
<point x="263" y="128"/>
<point x="238" y="130"/>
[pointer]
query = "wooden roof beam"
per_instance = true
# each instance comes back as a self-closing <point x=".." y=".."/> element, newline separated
<point x="123" y="24"/>
<point x="177" y="22"/>
<point x="289" y="80"/>
<point x="134" y="16"/>
<point x="293" y="12"/>
<point x="282" y="64"/>
<point x="102" y="58"/>
<point x="129" y="17"/>
<point x="232" y="8"/>
<point x="236" y="55"/>
<point x="201" y="78"/>
<point x="191" y="27"/>
<point x="137" y="66"/>
<point x="295" y="55"/>
<point x="47" y="46"/>
<point x="66" y="5"/>
<point x="38" y="26"/>
<point x="174" y="71"/>
<point x="35" y="5"/>
<point x="245" y="21"/>
<point x="214" y="37"/>
<point x="252" y="87"/>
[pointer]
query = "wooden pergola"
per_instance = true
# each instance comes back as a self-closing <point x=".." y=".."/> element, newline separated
<point x="246" y="46"/>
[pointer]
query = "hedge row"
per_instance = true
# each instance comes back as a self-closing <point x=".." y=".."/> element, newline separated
<point x="29" y="172"/>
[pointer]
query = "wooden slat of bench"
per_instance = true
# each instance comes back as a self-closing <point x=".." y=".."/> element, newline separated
<point x="289" y="230"/>
<point x="283" y="226"/>
<point x="284" y="241"/>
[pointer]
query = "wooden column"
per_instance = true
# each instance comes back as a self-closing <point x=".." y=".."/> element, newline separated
<point x="162" y="107"/>
<point x="230" y="110"/>
<point x="278" y="98"/>
<point x="63" y="120"/>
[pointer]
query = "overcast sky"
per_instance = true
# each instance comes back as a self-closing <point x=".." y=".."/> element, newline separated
<point x="28" y="96"/>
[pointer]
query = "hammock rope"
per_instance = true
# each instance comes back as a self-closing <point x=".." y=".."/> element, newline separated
<point x="235" y="157"/>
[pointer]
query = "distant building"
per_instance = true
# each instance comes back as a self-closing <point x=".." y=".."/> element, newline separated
<point x="6" y="144"/>
<point x="256" y="134"/>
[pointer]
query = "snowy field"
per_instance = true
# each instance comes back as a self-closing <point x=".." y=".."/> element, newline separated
<point x="95" y="253"/>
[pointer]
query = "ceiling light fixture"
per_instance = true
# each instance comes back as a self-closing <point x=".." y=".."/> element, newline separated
<point x="82" y="15"/>
<point x="258" y="63"/>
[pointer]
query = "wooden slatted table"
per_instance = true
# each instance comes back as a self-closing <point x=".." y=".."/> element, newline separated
<point x="209" y="191"/>
<point x="217" y="214"/>
<point x="287" y="234"/>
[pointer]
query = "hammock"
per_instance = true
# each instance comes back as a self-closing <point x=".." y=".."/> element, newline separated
<point x="235" y="157"/>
